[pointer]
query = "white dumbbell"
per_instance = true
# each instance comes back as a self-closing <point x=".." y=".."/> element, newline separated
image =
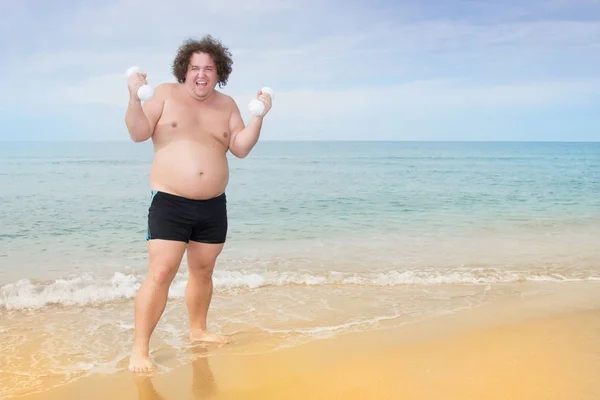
<point x="144" y="92"/>
<point x="256" y="106"/>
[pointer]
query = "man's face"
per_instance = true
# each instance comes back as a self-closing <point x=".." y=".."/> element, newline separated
<point x="201" y="77"/>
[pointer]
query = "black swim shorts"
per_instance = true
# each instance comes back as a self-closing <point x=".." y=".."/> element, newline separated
<point x="172" y="217"/>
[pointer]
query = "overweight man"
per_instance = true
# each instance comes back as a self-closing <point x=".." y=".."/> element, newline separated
<point x="192" y="126"/>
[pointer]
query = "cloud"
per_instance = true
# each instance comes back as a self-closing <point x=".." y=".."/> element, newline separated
<point x="419" y="101"/>
<point x="332" y="64"/>
<point x="446" y="95"/>
<point x="395" y="53"/>
<point x="152" y="21"/>
<point x="379" y="48"/>
<point x="417" y="110"/>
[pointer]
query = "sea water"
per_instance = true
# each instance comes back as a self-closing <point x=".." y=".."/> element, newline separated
<point x="324" y="238"/>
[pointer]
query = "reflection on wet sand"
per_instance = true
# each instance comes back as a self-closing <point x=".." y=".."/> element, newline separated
<point x="203" y="385"/>
<point x="203" y="380"/>
<point x="146" y="390"/>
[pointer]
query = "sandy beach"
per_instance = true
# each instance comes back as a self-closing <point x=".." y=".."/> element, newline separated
<point x="505" y="350"/>
<point x="359" y="270"/>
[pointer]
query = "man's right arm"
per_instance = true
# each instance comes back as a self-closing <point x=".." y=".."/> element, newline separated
<point x="141" y="119"/>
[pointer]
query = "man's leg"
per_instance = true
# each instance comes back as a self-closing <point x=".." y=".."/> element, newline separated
<point x="165" y="257"/>
<point x="198" y="293"/>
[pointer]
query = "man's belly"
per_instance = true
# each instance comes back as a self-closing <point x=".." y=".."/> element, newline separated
<point x="190" y="169"/>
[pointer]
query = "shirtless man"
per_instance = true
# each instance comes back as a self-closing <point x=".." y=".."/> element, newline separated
<point x="192" y="127"/>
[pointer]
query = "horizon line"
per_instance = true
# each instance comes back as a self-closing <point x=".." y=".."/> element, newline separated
<point x="317" y="141"/>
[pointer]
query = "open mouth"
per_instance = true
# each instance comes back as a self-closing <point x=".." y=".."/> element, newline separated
<point x="201" y="84"/>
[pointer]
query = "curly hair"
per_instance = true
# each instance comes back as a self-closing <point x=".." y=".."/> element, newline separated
<point x="209" y="45"/>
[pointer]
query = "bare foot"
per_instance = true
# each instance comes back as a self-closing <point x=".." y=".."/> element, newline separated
<point x="198" y="335"/>
<point x="140" y="364"/>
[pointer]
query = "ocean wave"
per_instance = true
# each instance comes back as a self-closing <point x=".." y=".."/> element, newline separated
<point x="90" y="290"/>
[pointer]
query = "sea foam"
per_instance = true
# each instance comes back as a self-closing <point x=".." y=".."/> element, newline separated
<point x="90" y="290"/>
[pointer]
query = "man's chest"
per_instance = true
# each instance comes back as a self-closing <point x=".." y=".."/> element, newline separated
<point x="181" y="119"/>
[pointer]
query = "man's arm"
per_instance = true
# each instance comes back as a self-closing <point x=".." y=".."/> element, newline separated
<point x="243" y="138"/>
<point x="141" y="119"/>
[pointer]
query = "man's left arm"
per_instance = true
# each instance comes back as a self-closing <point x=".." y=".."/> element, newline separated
<point x="243" y="138"/>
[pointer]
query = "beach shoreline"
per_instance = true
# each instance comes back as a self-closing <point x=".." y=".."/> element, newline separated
<point x="369" y="270"/>
<point x="506" y="349"/>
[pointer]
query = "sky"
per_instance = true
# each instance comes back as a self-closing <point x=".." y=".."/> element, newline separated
<point x="341" y="69"/>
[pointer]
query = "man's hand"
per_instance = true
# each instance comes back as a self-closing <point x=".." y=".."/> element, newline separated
<point x="134" y="82"/>
<point x="266" y="99"/>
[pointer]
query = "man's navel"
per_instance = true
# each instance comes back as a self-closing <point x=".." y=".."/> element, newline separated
<point x="174" y="124"/>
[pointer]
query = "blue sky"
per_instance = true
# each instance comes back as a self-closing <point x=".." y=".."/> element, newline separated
<point x="342" y="70"/>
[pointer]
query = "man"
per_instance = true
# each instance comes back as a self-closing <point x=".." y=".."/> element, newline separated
<point x="192" y="127"/>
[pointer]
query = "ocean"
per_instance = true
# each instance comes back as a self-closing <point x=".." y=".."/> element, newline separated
<point x="324" y="238"/>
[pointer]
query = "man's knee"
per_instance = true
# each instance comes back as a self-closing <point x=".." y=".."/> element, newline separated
<point x="163" y="274"/>
<point x="202" y="268"/>
<point x="165" y="257"/>
<point x="202" y="258"/>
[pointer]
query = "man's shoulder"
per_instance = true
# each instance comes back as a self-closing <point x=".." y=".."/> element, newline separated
<point x="169" y="84"/>
<point x="227" y="100"/>
<point x="163" y="91"/>
<point x="224" y="97"/>
<point x="165" y="87"/>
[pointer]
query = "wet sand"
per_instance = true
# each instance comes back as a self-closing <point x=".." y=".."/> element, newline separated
<point x="491" y="353"/>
